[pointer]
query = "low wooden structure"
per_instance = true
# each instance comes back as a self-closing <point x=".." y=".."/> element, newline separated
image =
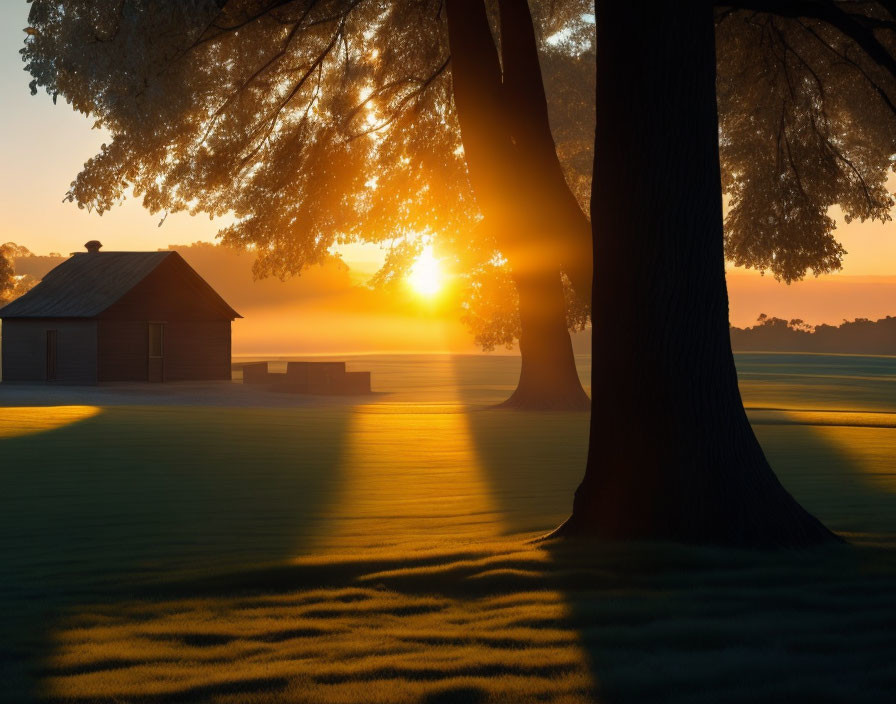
<point x="324" y="378"/>
<point x="118" y="316"/>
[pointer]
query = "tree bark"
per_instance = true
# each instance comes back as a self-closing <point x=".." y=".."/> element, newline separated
<point x="672" y="455"/>
<point x="526" y="108"/>
<point x="549" y="379"/>
<point x="520" y="205"/>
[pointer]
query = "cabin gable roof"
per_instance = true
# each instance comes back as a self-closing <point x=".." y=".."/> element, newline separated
<point x="90" y="283"/>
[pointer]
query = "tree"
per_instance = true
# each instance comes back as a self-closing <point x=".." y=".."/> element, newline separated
<point x="805" y="124"/>
<point x="7" y="275"/>
<point x="317" y="122"/>
<point x="672" y="453"/>
<point x="674" y="457"/>
<point x="521" y="189"/>
<point x="12" y="286"/>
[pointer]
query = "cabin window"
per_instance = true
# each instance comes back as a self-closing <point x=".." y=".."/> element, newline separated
<point x="155" y="339"/>
<point x="51" y="355"/>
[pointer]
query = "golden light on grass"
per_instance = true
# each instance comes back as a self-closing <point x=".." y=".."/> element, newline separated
<point x="426" y="277"/>
<point x="870" y="450"/>
<point x="25" y="420"/>
<point x="412" y="479"/>
<point x="422" y="587"/>
<point x="859" y="444"/>
<point x="376" y="642"/>
<point x="402" y="598"/>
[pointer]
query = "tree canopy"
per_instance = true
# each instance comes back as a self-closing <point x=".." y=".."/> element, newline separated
<point x="312" y="123"/>
<point x="806" y="123"/>
<point x="12" y="285"/>
<point x="318" y="122"/>
<point x="7" y="275"/>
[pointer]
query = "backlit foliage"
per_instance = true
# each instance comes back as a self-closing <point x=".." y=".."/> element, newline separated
<point x="490" y="308"/>
<point x="319" y="122"/>
<point x="273" y="112"/>
<point x="12" y="286"/>
<point x="313" y="122"/>
<point x="806" y="123"/>
<point x="7" y="275"/>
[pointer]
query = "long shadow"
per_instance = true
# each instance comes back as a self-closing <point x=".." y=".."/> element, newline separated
<point x="655" y="622"/>
<point x="830" y="481"/>
<point x="532" y="462"/>
<point x="676" y="624"/>
<point x="94" y="511"/>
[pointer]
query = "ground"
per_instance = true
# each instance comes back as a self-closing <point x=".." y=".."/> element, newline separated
<point x="220" y="543"/>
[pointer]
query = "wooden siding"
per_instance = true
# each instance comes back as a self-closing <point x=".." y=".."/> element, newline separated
<point x="123" y="348"/>
<point x="25" y="350"/>
<point x="198" y="350"/>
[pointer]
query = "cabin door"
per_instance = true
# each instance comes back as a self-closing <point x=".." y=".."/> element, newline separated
<point x="156" y="357"/>
<point x="51" y="355"/>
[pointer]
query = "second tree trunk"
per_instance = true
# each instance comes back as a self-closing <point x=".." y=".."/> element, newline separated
<point x="548" y="376"/>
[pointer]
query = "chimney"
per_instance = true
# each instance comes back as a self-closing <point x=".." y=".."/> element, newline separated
<point x="93" y="246"/>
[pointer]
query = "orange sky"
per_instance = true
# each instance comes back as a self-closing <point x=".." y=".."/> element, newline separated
<point x="43" y="147"/>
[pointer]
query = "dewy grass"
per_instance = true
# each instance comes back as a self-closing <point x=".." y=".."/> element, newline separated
<point x="378" y="553"/>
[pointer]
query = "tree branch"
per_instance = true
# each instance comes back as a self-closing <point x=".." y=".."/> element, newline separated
<point x="859" y="28"/>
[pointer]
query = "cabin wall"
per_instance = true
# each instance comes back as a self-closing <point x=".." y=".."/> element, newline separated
<point x="191" y="349"/>
<point x="122" y="350"/>
<point x="24" y="353"/>
<point x="196" y="333"/>
<point x="196" y="350"/>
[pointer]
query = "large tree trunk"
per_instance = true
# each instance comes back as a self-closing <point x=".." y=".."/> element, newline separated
<point x="672" y="455"/>
<point x="548" y="376"/>
<point x="523" y="205"/>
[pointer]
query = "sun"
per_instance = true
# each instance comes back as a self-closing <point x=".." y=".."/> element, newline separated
<point x="425" y="276"/>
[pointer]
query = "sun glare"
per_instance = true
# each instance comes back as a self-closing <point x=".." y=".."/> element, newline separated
<point x="425" y="276"/>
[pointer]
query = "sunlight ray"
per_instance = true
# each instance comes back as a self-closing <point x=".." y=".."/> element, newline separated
<point x="870" y="450"/>
<point x="411" y="478"/>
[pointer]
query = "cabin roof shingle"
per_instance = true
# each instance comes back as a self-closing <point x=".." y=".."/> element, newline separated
<point x="88" y="283"/>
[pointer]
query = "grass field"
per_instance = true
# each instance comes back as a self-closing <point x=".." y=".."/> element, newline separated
<point x="227" y="547"/>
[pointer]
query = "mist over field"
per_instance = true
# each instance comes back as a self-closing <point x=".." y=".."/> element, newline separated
<point x="333" y="309"/>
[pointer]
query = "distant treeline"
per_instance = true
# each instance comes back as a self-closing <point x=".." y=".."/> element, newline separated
<point x="859" y="336"/>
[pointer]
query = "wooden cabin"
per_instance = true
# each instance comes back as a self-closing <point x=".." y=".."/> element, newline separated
<point x="117" y="316"/>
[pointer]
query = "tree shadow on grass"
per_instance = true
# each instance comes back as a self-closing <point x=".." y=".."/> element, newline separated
<point x="672" y="624"/>
<point x="92" y="510"/>
<point x="517" y="622"/>
<point x="821" y="467"/>
<point x="709" y="625"/>
<point x="520" y="622"/>
<point x="676" y="624"/>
